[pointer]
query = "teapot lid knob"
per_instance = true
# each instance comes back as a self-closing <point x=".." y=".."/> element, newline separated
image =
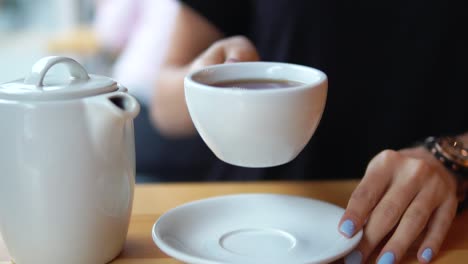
<point x="41" y="67"/>
<point x="42" y="85"/>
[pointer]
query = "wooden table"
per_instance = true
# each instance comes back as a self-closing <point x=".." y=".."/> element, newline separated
<point x="153" y="200"/>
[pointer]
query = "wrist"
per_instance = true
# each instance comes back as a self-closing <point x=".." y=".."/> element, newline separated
<point x="463" y="138"/>
<point x="452" y="152"/>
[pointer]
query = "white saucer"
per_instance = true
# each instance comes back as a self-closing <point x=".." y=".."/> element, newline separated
<point x="253" y="228"/>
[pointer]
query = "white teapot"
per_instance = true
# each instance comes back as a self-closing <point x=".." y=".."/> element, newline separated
<point x="67" y="166"/>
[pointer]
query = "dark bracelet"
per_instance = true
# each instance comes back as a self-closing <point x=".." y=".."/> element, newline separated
<point x="459" y="172"/>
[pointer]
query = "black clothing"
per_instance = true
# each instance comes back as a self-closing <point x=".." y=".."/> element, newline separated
<point x="397" y="73"/>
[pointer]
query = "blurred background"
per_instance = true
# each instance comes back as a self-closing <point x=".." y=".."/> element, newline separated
<point x="123" y="39"/>
<point x="28" y="30"/>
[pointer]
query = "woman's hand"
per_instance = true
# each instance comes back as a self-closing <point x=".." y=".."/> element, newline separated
<point x="169" y="110"/>
<point x="227" y="50"/>
<point x="403" y="194"/>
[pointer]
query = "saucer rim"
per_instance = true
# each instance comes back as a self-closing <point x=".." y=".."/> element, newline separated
<point x="188" y="258"/>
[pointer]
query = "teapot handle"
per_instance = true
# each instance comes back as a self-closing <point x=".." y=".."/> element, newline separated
<point x="40" y="69"/>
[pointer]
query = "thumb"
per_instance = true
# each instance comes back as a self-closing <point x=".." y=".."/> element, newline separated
<point x="239" y="48"/>
<point x="232" y="49"/>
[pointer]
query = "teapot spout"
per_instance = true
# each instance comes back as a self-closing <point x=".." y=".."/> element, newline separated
<point x="108" y="116"/>
<point x="124" y="106"/>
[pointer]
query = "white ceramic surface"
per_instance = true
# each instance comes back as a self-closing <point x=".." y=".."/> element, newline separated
<point x="67" y="166"/>
<point x="253" y="229"/>
<point x="261" y="127"/>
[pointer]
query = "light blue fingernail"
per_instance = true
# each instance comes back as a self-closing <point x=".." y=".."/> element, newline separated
<point x="347" y="228"/>
<point x="387" y="258"/>
<point x="354" y="257"/>
<point x="427" y="254"/>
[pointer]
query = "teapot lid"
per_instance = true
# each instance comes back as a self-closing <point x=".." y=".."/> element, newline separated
<point x="80" y="84"/>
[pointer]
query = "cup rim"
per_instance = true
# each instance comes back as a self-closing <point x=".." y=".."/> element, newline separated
<point x="203" y="86"/>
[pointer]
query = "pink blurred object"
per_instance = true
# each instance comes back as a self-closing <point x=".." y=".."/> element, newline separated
<point x="141" y="30"/>
<point x="114" y="21"/>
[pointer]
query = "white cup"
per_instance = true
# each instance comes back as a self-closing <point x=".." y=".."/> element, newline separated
<point x="256" y="127"/>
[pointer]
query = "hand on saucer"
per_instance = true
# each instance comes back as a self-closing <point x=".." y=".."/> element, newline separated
<point x="402" y="195"/>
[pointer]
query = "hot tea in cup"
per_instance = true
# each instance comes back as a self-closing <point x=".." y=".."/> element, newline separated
<point x="257" y="84"/>
<point x="256" y="114"/>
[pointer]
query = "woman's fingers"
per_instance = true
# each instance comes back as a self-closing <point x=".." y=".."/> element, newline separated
<point x="403" y="192"/>
<point x="437" y="230"/>
<point x="406" y="180"/>
<point x="232" y="49"/>
<point x="239" y="48"/>
<point x="371" y="189"/>
<point x="386" y="216"/>
<point x="413" y="222"/>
